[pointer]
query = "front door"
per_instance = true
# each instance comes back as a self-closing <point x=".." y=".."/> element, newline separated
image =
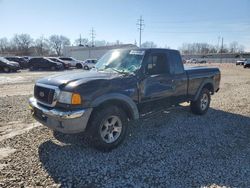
<point x="157" y="86"/>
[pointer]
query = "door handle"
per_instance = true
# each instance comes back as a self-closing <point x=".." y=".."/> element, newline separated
<point x="164" y="81"/>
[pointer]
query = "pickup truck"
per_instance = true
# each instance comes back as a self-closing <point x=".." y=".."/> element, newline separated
<point x="124" y="84"/>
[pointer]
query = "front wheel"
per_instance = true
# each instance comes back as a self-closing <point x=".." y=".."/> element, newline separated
<point x="108" y="127"/>
<point x="6" y="69"/>
<point x="78" y="66"/>
<point x="201" y="105"/>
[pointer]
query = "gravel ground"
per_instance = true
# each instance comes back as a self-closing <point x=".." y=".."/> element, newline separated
<point x="13" y="108"/>
<point x="172" y="148"/>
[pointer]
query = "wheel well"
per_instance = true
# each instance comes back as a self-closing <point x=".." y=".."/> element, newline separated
<point x="125" y="107"/>
<point x="210" y="87"/>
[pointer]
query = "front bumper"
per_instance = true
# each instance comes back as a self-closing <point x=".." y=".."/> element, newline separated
<point x="63" y="121"/>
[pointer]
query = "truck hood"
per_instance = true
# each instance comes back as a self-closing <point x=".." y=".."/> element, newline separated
<point x="76" y="76"/>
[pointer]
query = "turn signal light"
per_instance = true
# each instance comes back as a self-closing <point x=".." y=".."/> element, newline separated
<point x="76" y="99"/>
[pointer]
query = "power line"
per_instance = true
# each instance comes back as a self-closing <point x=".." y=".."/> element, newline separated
<point x="92" y="35"/>
<point x="140" y="24"/>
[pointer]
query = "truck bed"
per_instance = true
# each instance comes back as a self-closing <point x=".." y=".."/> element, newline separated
<point x="197" y="75"/>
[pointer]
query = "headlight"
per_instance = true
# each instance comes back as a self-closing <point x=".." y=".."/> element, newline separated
<point x="69" y="98"/>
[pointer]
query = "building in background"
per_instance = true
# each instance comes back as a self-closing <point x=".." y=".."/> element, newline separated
<point x="82" y="52"/>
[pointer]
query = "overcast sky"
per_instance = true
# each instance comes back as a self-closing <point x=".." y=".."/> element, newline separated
<point x="167" y="22"/>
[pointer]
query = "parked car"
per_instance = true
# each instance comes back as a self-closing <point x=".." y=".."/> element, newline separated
<point x="240" y="62"/>
<point x="202" y="61"/>
<point x="39" y="63"/>
<point x="89" y="64"/>
<point x="8" y="66"/>
<point x="192" y="60"/>
<point x="66" y="64"/>
<point x="124" y="85"/>
<point x="73" y="62"/>
<point x="247" y="63"/>
<point x="22" y="61"/>
<point x="27" y="58"/>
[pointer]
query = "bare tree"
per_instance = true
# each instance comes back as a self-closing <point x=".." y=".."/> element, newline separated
<point x="81" y="42"/>
<point x="234" y="47"/>
<point x="3" y="44"/>
<point x="200" y="48"/>
<point x="148" y="44"/>
<point x="241" y="48"/>
<point x="57" y="43"/>
<point x="42" y="46"/>
<point x="22" y="42"/>
<point x="102" y="43"/>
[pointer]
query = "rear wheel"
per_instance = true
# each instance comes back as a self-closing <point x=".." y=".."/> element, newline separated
<point x="86" y="67"/>
<point x="6" y="69"/>
<point x="79" y="66"/>
<point x="201" y="105"/>
<point x="108" y="127"/>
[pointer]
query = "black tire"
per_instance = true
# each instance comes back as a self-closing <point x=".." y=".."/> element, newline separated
<point x="53" y="68"/>
<point x="201" y="105"/>
<point x="86" y="67"/>
<point x="97" y="126"/>
<point x="6" y="69"/>
<point x="78" y="66"/>
<point x="32" y="68"/>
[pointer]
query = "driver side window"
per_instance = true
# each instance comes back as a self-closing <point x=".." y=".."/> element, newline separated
<point x="157" y="64"/>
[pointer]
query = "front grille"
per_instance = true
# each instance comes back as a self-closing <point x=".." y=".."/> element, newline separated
<point x="44" y="94"/>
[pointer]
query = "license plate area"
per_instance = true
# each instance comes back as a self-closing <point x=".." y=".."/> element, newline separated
<point x="39" y="115"/>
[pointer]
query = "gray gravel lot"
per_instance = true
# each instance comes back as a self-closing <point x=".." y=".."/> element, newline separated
<point x="172" y="148"/>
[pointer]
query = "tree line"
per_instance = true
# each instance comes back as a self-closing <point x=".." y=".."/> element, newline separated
<point x="205" y="48"/>
<point x="24" y="44"/>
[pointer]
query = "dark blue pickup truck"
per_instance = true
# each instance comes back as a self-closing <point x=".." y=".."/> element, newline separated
<point x="124" y="84"/>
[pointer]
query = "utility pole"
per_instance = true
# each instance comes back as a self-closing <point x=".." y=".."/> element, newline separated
<point x="80" y="40"/>
<point x="92" y="35"/>
<point x="140" y="24"/>
<point x="221" y="51"/>
<point x="218" y="45"/>
<point x="221" y="44"/>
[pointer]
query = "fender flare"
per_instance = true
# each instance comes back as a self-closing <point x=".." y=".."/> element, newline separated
<point x="119" y="97"/>
<point x="207" y="81"/>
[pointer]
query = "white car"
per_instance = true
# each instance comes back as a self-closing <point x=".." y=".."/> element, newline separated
<point x="89" y="64"/>
<point x="240" y="62"/>
<point x="73" y="62"/>
<point x="192" y="60"/>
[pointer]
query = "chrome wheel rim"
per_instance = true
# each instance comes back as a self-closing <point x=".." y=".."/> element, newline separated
<point x="111" y="129"/>
<point x="204" y="101"/>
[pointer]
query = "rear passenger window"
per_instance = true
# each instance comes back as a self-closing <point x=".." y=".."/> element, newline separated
<point x="157" y="64"/>
<point x="176" y="60"/>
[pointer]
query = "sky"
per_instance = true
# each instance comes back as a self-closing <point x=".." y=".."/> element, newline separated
<point x="167" y="22"/>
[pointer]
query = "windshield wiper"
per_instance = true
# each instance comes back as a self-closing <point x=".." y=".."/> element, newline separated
<point x="120" y="71"/>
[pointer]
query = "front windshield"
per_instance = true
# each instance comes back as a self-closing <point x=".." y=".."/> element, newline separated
<point x="4" y="60"/>
<point x="123" y="61"/>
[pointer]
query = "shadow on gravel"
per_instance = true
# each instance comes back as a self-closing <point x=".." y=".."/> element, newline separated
<point x="173" y="149"/>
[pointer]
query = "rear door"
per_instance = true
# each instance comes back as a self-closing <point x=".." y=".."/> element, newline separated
<point x="158" y="83"/>
<point x="179" y="76"/>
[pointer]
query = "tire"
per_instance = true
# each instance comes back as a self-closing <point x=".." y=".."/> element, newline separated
<point x="86" y="67"/>
<point x="32" y="68"/>
<point x="78" y="66"/>
<point x="107" y="127"/>
<point x="6" y="69"/>
<point x="201" y="105"/>
<point x="53" y="68"/>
